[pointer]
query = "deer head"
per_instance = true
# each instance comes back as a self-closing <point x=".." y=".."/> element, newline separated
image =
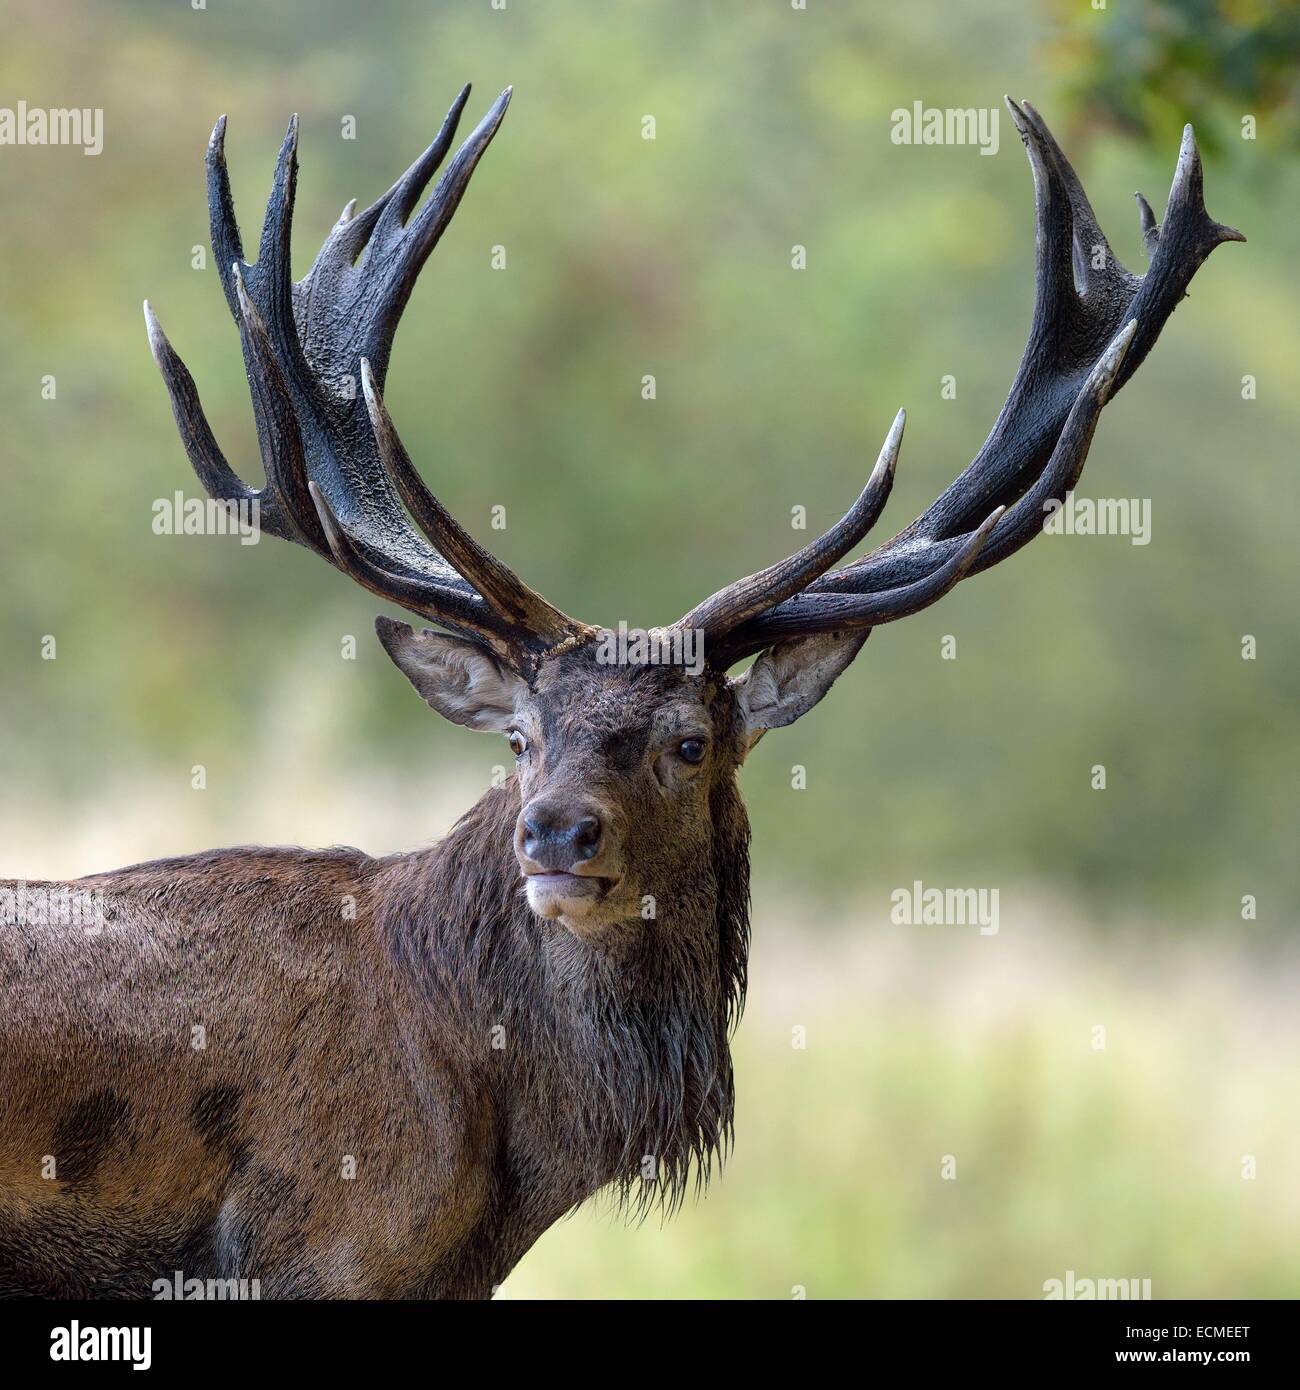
<point x="625" y="763"/>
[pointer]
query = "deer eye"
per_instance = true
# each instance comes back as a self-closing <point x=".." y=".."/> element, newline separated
<point x="518" y="743"/>
<point x="691" y="750"/>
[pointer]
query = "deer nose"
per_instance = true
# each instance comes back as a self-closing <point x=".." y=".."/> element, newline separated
<point x="555" y="839"/>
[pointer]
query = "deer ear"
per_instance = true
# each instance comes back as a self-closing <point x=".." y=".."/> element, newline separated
<point x="463" y="681"/>
<point x="789" y="678"/>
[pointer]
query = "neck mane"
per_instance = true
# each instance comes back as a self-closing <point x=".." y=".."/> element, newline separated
<point x="609" y="1058"/>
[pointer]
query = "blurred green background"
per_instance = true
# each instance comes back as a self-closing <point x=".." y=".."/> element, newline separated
<point x="522" y="387"/>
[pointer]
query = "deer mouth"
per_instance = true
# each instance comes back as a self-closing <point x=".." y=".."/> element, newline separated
<point x="570" y="885"/>
<point x="563" y="895"/>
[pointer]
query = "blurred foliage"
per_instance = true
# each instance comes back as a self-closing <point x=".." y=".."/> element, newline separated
<point x="522" y="388"/>
<point x="1147" y="68"/>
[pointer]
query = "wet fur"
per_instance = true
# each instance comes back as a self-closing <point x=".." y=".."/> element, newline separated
<point x="484" y="1069"/>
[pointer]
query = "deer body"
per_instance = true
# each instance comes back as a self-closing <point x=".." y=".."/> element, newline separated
<point x="169" y="1155"/>
<point x="387" y="1107"/>
<point x="345" y="1076"/>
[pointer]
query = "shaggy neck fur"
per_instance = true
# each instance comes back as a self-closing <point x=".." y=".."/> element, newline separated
<point x="609" y="1059"/>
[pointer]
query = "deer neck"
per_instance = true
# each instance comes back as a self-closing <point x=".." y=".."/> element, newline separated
<point x="611" y="1054"/>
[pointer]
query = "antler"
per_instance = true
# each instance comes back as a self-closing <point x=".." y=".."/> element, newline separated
<point x="338" y="480"/>
<point x="1093" y="323"/>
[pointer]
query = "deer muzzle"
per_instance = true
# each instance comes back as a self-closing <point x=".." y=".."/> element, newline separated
<point x="567" y="856"/>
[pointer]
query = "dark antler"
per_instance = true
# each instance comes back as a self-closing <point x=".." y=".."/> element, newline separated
<point x="337" y="477"/>
<point x="1093" y="324"/>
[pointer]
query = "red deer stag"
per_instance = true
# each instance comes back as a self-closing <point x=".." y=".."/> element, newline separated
<point x="346" y="1076"/>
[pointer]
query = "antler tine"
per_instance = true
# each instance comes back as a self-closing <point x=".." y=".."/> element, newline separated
<point x="808" y="613"/>
<point x="386" y="251"/>
<point x="227" y="245"/>
<point x="732" y="606"/>
<point x="218" y="478"/>
<point x="463" y="612"/>
<point x="1023" y="521"/>
<point x="278" y="432"/>
<point x="421" y="236"/>
<point x="336" y="472"/>
<point x="497" y="583"/>
<point x="1093" y="323"/>
<point x="398" y="201"/>
<point x="1147" y="222"/>
<point x="1001" y="534"/>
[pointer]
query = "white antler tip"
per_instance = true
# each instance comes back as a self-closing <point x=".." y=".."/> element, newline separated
<point x="157" y="339"/>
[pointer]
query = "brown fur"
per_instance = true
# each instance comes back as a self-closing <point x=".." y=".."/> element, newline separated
<point x="486" y="1069"/>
